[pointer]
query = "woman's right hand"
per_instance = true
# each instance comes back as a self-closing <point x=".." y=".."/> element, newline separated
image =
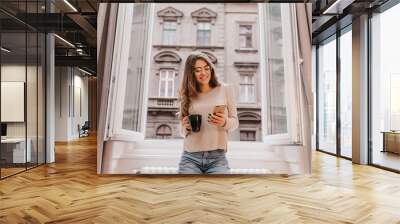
<point x="186" y="123"/>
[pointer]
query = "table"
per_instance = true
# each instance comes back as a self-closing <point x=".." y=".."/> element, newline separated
<point x="391" y="141"/>
<point x="13" y="150"/>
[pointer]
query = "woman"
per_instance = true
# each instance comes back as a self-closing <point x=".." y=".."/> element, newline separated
<point x="200" y="91"/>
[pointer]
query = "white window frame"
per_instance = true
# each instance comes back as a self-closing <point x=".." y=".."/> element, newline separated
<point x="197" y="33"/>
<point x="247" y="98"/>
<point x="120" y="159"/>
<point x="246" y="130"/>
<point x="292" y="137"/>
<point x="170" y="78"/>
<point x="164" y="30"/>
<point x="121" y="51"/>
<point x="252" y="41"/>
<point x="115" y="108"/>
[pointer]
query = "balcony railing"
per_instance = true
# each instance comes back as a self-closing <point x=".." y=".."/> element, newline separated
<point x="163" y="102"/>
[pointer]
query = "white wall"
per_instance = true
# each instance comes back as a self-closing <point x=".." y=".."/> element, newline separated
<point x="33" y="126"/>
<point x="16" y="73"/>
<point x="70" y="83"/>
<point x="80" y="83"/>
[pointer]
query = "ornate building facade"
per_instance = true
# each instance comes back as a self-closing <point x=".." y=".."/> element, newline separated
<point x="228" y="34"/>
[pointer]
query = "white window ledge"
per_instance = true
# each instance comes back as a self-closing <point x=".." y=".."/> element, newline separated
<point x="162" y="156"/>
<point x="246" y="50"/>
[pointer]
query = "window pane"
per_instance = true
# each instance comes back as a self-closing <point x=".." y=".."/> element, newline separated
<point x="170" y="74"/>
<point x="203" y="26"/>
<point x="162" y="87"/>
<point x="251" y="79"/>
<point x="31" y="88"/>
<point x="242" y="79"/>
<point x="166" y="85"/>
<point x="134" y="85"/>
<point x="169" y="33"/>
<point x="200" y="26"/>
<point x="327" y="97"/>
<point x="41" y="98"/>
<point x="385" y="85"/>
<point x="247" y="88"/>
<point x="13" y="85"/>
<point x="252" y="136"/>
<point x="247" y="135"/>
<point x="276" y="102"/>
<point x="252" y="94"/>
<point x="243" y="136"/>
<point x="277" y="98"/>
<point x="242" y="97"/>
<point x="245" y="29"/>
<point x="245" y="36"/>
<point x="242" y="41"/>
<point x="203" y="33"/>
<point x="170" y="88"/>
<point x="248" y="41"/>
<point x="169" y="25"/>
<point x="346" y="94"/>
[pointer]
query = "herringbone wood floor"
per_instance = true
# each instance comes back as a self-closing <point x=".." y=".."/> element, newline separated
<point x="70" y="191"/>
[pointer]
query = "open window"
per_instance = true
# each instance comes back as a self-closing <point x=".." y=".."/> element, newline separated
<point x="126" y="112"/>
<point x="282" y="97"/>
<point x="278" y="73"/>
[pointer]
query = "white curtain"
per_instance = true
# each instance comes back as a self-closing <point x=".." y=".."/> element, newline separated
<point x="106" y="21"/>
<point x="302" y="18"/>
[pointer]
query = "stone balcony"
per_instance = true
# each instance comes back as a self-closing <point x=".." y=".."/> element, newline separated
<point x="163" y="102"/>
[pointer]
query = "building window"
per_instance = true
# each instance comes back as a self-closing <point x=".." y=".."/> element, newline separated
<point x="164" y="131"/>
<point x="245" y="36"/>
<point x="169" y="33"/>
<point x="385" y="88"/>
<point x="327" y="96"/>
<point x="203" y="33"/>
<point x="247" y="88"/>
<point x="247" y="135"/>
<point x="167" y="83"/>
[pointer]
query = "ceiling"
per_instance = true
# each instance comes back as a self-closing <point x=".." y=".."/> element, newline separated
<point x="74" y="21"/>
<point x="332" y="15"/>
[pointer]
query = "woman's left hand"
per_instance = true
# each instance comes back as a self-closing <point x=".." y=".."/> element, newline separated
<point x="217" y="119"/>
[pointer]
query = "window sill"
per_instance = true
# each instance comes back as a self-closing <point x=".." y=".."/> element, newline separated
<point x="192" y="47"/>
<point x="249" y="105"/>
<point x="246" y="50"/>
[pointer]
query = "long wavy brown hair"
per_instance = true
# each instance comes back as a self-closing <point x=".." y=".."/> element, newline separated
<point x="189" y="87"/>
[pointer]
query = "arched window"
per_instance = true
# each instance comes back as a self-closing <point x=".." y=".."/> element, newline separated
<point x="164" y="131"/>
<point x="167" y="64"/>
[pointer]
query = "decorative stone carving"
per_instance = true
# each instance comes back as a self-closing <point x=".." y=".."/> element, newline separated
<point x="170" y="14"/>
<point x="246" y="66"/>
<point x="167" y="56"/>
<point x="249" y="116"/>
<point x="204" y="15"/>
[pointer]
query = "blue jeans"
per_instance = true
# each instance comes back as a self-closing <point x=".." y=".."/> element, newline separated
<point x="208" y="162"/>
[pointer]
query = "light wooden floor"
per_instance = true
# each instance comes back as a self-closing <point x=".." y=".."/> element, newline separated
<point x="387" y="159"/>
<point x="70" y="191"/>
<point x="9" y="171"/>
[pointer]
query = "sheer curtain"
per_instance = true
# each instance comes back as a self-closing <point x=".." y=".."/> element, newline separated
<point x="302" y="15"/>
<point x="106" y="21"/>
<point x="288" y="53"/>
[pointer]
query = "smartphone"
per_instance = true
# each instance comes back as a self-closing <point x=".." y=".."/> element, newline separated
<point x="219" y="109"/>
